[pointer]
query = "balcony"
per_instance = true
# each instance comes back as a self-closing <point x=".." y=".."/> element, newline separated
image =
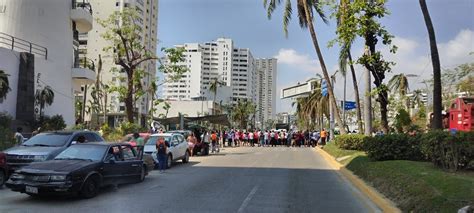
<point x="83" y="71"/>
<point x="81" y="14"/>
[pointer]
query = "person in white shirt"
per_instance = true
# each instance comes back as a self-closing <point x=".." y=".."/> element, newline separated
<point x="18" y="136"/>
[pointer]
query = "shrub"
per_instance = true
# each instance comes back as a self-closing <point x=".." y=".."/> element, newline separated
<point x="402" y="121"/>
<point x="56" y="122"/>
<point x="6" y="135"/>
<point x="393" y="147"/>
<point x="127" y="128"/>
<point x="449" y="151"/>
<point x="350" y="142"/>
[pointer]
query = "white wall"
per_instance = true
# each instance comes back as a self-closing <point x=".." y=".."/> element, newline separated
<point x="9" y="62"/>
<point x="46" y="23"/>
<point x="190" y="108"/>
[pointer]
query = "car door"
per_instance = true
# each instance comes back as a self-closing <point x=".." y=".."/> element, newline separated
<point x="182" y="145"/>
<point x="130" y="156"/>
<point x="174" y="149"/>
<point x="116" y="170"/>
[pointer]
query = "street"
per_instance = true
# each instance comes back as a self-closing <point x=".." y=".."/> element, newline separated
<point x="245" y="179"/>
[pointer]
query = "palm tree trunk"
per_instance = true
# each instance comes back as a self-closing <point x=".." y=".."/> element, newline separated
<point x="323" y="67"/>
<point x="437" y="99"/>
<point x="356" y="92"/>
<point x="129" y="100"/>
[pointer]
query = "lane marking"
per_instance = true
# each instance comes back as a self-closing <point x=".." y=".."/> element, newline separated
<point x="247" y="200"/>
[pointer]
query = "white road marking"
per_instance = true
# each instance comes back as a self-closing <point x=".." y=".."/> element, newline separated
<point x="247" y="200"/>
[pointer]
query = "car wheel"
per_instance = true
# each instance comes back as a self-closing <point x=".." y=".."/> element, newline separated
<point x="3" y="177"/>
<point x="90" y="188"/>
<point x="186" y="157"/>
<point x="141" y="178"/>
<point x="169" y="161"/>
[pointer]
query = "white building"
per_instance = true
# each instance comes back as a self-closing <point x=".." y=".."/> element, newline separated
<point x="266" y="102"/>
<point x="233" y="67"/>
<point x="38" y="42"/>
<point x="93" y="44"/>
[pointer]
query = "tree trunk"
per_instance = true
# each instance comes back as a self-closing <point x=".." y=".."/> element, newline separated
<point x="356" y="92"/>
<point x="323" y="67"/>
<point x="129" y="99"/>
<point x="437" y="99"/>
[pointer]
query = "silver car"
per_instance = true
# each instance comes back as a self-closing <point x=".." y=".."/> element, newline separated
<point x="177" y="147"/>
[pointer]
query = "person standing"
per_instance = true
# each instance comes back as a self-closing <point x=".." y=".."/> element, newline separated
<point x="18" y="136"/>
<point x="161" y="149"/>
<point x="323" y="136"/>
<point x="140" y="143"/>
<point x="265" y="137"/>
<point x="214" y="139"/>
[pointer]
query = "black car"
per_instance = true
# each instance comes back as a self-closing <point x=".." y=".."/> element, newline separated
<point x="45" y="146"/>
<point x="80" y="169"/>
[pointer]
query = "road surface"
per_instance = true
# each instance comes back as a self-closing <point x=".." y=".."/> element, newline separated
<point x="246" y="179"/>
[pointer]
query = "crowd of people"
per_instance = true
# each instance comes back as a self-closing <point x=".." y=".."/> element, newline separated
<point x="264" y="138"/>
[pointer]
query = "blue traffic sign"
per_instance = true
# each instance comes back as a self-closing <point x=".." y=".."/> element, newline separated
<point x="324" y="88"/>
<point x="349" y="105"/>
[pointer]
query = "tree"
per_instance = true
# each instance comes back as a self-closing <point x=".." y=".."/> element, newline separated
<point x="241" y="113"/>
<point x="44" y="97"/>
<point x="402" y="121"/>
<point x="345" y="57"/>
<point x="128" y="52"/>
<point x="4" y="84"/>
<point x="215" y="83"/>
<point x="360" y="19"/>
<point x="399" y="84"/>
<point x="306" y="10"/>
<point x="437" y="90"/>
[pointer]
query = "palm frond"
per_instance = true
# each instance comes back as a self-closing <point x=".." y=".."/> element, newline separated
<point x="287" y="17"/>
<point x="343" y="58"/>
<point x="302" y="14"/>
<point x="318" y="8"/>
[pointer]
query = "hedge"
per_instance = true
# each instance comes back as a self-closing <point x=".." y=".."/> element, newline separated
<point x="452" y="151"/>
<point x="393" y="147"/>
<point x="350" y="142"/>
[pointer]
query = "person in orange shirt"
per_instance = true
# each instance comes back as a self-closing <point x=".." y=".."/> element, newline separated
<point x="323" y="135"/>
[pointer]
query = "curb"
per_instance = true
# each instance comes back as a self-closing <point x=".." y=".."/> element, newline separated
<point x="376" y="197"/>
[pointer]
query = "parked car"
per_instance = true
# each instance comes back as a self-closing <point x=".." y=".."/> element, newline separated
<point x="45" y="146"/>
<point x="3" y="169"/>
<point x="177" y="147"/>
<point x="80" y="169"/>
<point x="185" y="134"/>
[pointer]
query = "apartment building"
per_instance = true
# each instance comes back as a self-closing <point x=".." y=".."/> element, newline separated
<point x="266" y="69"/>
<point x="38" y="49"/>
<point x="92" y="45"/>
<point x="233" y="67"/>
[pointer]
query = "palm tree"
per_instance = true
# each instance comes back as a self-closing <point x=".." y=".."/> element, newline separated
<point x="213" y="88"/>
<point x="437" y="99"/>
<point x="44" y="97"/>
<point x="305" y="15"/>
<point x="242" y="111"/>
<point x="4" y="84"/>
<point x="345" y="57"/>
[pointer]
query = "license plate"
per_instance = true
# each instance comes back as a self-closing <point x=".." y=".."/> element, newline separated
<point x="30" y="189"/>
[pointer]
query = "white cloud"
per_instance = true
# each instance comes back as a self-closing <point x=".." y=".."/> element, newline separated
<point x="456" y="51"/>
<point x="301" y="62"/>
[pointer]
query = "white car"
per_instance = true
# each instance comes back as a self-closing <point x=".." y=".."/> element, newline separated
<point x="177" y="147"/>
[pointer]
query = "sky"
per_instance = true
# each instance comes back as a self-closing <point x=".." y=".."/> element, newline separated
<point x="246" y="22"/>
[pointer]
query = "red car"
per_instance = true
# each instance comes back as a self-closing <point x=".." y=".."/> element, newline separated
<point x="3" y="168"/>
<point x="128" y="138"/>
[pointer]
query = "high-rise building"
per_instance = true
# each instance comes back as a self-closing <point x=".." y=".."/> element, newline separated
<point x="39" y="49"/>
<point x="266" y="103"/>
<point x="233" y="67"/>
<point x="92" y="45"/>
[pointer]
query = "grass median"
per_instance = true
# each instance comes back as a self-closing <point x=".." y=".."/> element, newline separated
<point x="412" y="185"/>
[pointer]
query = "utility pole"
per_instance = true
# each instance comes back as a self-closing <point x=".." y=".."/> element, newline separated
<point x="331" y="109"/>
<point x="367" y="100"/>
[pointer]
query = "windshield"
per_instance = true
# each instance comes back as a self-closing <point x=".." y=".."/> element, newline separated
<point x="84" y="152"/>
<point x="153" y="139"/>
<point x="48" y="139"/>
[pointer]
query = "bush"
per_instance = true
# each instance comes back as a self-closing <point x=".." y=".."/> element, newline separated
<point x="6" y="135"/>
<point x="127" y="128"/>
<point x="55" y="122"/>
<point x="393" y="147"/>
<point x="449" y="151"/>
<point x="350" y="142"/>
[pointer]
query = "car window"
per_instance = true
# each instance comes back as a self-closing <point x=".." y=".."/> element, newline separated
<point x="175" y="141"/>
<point x="48" y="139"/>
<point x="114" y="153"/>
<point x="128" y="153"/>
<point x="86" y="152"/>
<point x="152" y="140"/>
<point x="180" y="138"/>
<point x="90" y="137"/>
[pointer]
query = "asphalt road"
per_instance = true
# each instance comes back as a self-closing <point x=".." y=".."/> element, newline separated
<point x="236" y="180"/>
